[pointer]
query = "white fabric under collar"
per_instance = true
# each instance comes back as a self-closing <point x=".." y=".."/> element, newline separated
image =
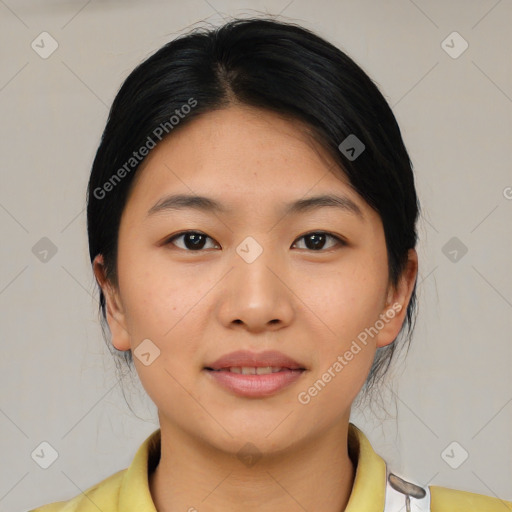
<point x="405" y="496"/>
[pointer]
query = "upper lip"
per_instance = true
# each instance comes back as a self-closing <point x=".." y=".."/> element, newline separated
<point x="245" y="358"/>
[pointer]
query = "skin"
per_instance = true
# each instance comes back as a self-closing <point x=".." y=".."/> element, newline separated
<point x="197" y="306"/>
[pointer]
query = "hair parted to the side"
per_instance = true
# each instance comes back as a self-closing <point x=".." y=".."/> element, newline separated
<point x="277" y="66"/>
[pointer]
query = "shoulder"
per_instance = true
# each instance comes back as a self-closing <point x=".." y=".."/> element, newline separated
<point x="126" y="489"/>
<point x="443" y="499"/>
<point x="101" y="496"/>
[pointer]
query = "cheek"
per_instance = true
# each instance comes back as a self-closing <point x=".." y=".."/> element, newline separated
<point x="160" y="301"/>
<point x="348" y="302"/>
<point x="165" y="307"/>
<point x="151" y="290"/>
<point x="347" y="297"/>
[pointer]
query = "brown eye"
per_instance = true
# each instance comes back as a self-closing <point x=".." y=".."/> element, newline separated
<point x="196" y="241"/>
<point x="192" y="240"/>
<point x="316" y="240"/>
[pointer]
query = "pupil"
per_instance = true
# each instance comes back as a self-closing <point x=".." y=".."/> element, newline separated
<point x="196" y="240"/>
<point x="319" y="240"/>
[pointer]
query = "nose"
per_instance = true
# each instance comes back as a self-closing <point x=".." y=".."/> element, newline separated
<point x="256" y="295"/>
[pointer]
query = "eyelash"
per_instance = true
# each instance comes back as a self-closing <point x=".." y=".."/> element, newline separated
<point x="339" y="241"/>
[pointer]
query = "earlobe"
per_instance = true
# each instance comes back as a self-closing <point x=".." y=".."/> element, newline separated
<point x="395" y="310"/>
<point x="114" y="311"/>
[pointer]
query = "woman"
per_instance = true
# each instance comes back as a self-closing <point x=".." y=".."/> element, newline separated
<point x="252" y="228"/>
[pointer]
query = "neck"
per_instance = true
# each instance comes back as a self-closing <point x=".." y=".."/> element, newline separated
<point x="316" y="475"/>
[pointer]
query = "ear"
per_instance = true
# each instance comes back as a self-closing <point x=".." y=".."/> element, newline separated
<point x="394" y="312"/>
<point x="115" y="314"/>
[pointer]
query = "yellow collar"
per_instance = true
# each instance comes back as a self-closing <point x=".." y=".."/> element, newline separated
<point x="369" y="489"/>
<point x="128" y="489"/>
<point x="134" y="495"/>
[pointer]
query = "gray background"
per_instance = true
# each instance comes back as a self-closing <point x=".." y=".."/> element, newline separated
<point x="58" y="381"/>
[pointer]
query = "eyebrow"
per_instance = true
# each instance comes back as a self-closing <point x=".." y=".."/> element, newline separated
<point x="206" y="204"/>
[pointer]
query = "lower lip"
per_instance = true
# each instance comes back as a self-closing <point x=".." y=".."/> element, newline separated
<point x="255" y="386"/>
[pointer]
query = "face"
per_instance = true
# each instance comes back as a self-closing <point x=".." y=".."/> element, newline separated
<point x="310" y="282"/>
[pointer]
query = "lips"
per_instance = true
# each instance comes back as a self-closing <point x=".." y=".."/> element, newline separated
<point x="253" y="370"/>
<point x="255" y="375"/>
<point x="245" y="359"/>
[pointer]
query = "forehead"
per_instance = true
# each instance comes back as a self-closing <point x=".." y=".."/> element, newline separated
<point x="244" y="156"/>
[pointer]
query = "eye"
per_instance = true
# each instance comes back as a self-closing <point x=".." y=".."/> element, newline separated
<point x="315" y="240"/>
<point x="193" y="240"/>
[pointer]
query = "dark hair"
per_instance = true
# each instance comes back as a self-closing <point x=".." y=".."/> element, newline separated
<point x="272" y="65"/>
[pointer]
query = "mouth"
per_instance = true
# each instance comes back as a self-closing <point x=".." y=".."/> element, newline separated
<point x="254" y="375"/>
<point x="254" y="382"/>
<point x="251" y="363"/>
<point x="255" y="370"/>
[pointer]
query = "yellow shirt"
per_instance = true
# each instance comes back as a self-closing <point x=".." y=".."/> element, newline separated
<point x="128" y="489"/>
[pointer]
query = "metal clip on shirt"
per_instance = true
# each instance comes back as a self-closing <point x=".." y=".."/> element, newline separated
<point x="403" y="496"/>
